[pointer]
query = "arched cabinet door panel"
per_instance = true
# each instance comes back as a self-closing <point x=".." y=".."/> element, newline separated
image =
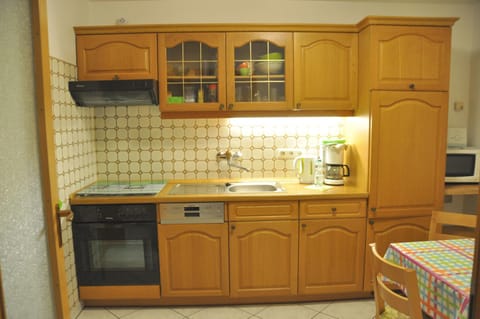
<point x="117" y="56"/>
<point x="263" y="258"/>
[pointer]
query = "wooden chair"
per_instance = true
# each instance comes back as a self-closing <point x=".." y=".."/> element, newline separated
<point x="448" y="225"/>
<point x="387" y="296"/>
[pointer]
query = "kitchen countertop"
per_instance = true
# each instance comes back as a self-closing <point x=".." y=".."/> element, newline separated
<point x="293" y="191"/>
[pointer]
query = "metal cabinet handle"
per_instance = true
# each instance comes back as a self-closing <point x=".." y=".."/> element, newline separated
<point x="371" y="221"/>
<point x="411" y="86"/>
<point x="298" y="105"/>
<point x="230" y="106"/>
<point x="233" y="227"/>
<point x="373" y="209"/>
<point x="304" y="225"/>
<point x="334" y="210"/>
<point x="221" y="107"/>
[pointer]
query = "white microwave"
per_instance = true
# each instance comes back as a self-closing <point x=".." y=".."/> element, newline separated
<point x="463" y="165"/>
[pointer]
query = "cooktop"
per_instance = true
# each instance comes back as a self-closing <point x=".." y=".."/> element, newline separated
<point x="131" y="189"/>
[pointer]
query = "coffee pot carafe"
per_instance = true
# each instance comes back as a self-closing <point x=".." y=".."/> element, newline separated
<point x="335" y="170"/>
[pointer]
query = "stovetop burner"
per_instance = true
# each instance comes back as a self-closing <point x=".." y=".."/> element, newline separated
<point x="102" y="189"/>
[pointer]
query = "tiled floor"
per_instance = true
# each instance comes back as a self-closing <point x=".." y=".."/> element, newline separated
<point x="348" y="309"/>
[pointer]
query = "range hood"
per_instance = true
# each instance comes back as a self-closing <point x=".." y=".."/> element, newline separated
<point x="114" y="92"/>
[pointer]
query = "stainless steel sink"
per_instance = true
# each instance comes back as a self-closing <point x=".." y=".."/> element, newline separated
<point x="254" y="187"/>
<point x="220" y="188"/>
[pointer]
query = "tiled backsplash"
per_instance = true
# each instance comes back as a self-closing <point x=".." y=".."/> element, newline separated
<point x="75" y="158"/>
<point x="133" y="143"/>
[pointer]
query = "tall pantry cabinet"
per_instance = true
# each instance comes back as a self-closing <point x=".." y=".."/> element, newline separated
<point x="403" y="98"/>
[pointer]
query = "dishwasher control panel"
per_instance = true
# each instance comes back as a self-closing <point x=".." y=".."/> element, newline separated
<point x="192" y="213"/>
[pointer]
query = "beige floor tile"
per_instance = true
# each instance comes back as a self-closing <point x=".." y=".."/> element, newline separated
<point x="187" y="311"/>
<point x="96" y="313"/>
<point x="220" y="313"/>
<point x="291" y="311"/>
<point x="122" y="311"/>
<point x="351" y="309"/>
<point x="154" y="313"/>
<point x="252" y="309"/>
<point x="317" y="306"/>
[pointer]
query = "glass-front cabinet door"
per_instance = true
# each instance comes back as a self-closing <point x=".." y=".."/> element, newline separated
<point x="192" y="72"/>
<point x="259" y="71"/>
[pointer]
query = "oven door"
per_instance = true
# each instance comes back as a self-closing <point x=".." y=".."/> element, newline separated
<point x="109" y="254"/>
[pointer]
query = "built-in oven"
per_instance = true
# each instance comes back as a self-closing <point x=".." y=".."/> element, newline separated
<point x="116" y="245"/>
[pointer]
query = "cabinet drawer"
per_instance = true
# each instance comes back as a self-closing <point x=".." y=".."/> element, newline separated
<point x="263" y="210"/>
<point x="332" y="208"/>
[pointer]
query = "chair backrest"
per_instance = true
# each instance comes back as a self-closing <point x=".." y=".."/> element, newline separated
<point x="448" y="225"/>
<point x="388" y="279"/>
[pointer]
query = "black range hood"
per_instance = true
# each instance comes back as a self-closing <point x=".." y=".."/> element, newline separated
<point x="114" y="92"/>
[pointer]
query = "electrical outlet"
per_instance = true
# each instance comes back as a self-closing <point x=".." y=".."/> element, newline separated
<point x="288" y="153"/>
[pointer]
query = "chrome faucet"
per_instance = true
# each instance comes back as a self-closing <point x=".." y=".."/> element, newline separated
<point x="232" y="159"/>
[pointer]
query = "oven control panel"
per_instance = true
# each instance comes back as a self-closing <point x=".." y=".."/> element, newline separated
<point x="114" y="213"/>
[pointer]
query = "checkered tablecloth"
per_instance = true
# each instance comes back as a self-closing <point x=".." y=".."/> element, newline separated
<point x="444" y="273"/>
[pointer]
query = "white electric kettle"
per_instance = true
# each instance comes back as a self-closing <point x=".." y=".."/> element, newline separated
<point x="304" y="167"/>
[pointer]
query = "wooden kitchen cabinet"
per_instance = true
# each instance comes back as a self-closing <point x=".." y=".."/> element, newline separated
<point x="383" y="231"/>
<point x="263" y="248"/>
<point x="200" y="73"/>
<point x="326" y="71"/>
<point x="194" y="260"/>
<point x="409" y="57"/>
<point x="192" y="72"/>
<point x="403" y="92"/>
<point x="408" y="153"/>
<point x="331" y="246"/>
<point x="117" y="56"/>
<point x="267" y="86"/>
<point x="331" y="255"/>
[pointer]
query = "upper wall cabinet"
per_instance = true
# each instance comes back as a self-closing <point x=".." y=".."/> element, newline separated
<point x="117" y="56"/>
<point x="410" y="58"/>
<point x="259" y="71"/>
<point x="192" y="72"/>
<point x="326" y="69"/>
<point x="225" y="72"/>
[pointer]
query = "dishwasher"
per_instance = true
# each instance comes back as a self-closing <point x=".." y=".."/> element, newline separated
<point x="192" y="213"/>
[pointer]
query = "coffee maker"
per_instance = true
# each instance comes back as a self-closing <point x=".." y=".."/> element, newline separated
<point x="333" y="155"/>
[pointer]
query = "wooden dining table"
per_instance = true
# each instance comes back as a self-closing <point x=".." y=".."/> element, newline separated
<point x="444" y="273"/>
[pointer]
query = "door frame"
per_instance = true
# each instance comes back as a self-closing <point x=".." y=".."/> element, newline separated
<point x="47" y="156"/>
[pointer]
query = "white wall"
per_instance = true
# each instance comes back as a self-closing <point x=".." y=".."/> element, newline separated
<point x="63" y="15"/>
<point x="308" y="11"/>
<point x="23" y="243"/>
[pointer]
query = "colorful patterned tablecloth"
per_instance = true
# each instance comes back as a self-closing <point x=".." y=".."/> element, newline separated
<point x="444" y="273"/>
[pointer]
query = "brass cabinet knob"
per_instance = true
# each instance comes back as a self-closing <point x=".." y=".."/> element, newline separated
<point x="411" y="86"/>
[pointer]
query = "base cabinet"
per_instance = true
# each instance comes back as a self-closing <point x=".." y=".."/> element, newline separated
<point x="331" y="256"/>
<point x="386" y="231"/>
<point x="263" y="258"/>
<point x="194" y="260"/>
